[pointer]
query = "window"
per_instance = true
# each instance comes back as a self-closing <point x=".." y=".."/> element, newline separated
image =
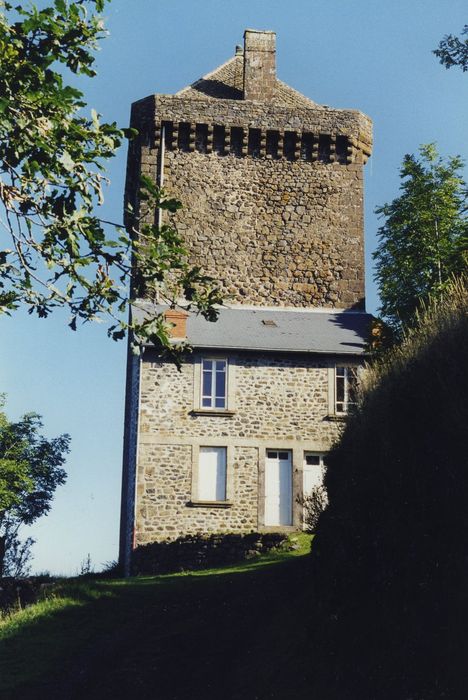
<point x="214" y="383"/>
<point x="346" y="379"/>
<point x="212" y="474"/>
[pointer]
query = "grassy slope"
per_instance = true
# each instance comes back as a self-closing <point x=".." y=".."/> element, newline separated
<point x="237" y="632"/>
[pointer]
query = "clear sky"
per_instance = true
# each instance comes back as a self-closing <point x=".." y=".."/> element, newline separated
<point x="371" y="55"/>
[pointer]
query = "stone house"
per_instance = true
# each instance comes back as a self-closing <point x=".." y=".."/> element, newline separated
<point x="272" y="188"/>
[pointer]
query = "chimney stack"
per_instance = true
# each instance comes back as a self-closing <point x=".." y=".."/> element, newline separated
<point x="259" y="64"/>
<point x="178" y="319"/>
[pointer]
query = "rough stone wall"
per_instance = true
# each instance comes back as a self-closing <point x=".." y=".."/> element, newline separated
<point x="259" y="65"/>
<point x="273" y="201"/>
<point x="273" y="232"/>
<point x="279" y="403"/>
<point x="164" y="482"/>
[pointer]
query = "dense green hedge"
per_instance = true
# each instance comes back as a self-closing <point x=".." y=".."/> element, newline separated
<point x="391" y="551"/>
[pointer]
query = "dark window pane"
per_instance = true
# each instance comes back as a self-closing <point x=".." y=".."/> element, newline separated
<point x="340" y="389"/>
<point x="220" y="365"/>
<point x="313" y="459"/>
<point x="283" y="455"/>
<point x="220" y="384"/>
<point x="207" y="364"/>
<point x="272" y="455"/>
<point x="220" y="402"/>
<point x="207" y="383"/>
<point x="352" y="386"/>
<point x="206" y="402"/>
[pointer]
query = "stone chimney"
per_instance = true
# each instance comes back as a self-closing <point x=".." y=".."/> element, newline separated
<point x="259" y="64"/>
<point x="178" y="319"/>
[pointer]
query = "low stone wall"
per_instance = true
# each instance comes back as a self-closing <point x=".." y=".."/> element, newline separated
<point x="199" y="552"/>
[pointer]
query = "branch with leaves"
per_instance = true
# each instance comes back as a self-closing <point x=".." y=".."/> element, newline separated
<point x="453" y="50"/>
<point x="58" y="251"/>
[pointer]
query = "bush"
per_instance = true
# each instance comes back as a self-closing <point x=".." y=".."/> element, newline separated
<point x="390" y="553"/>
<point x="313" y="506"/>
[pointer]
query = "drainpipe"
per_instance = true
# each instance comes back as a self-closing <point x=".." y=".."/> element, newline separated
<point x="161" y="170"/>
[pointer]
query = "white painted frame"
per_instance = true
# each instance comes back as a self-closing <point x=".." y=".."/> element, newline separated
<point x="230" y="383"/>
<point x="195" y="491"/>
<point x="332" y="392"/>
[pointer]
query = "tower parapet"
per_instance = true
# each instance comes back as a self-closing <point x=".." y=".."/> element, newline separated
<point x="271" y="182"/>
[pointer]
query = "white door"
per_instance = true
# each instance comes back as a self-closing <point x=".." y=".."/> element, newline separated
<point x="314" y="471"/>
<point x="278" y="487"/>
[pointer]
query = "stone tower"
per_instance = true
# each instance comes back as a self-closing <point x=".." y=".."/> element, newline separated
<point x="272" y="190"/>
<point x="270" y="182"/>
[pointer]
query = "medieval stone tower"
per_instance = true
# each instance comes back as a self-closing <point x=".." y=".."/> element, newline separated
<point x="272" y="191"/>
<point x="271" y="183"/>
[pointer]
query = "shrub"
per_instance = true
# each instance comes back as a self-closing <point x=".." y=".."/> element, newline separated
<point x="389" y="555"/>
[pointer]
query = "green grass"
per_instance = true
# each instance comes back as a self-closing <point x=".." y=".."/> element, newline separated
<point x="180" y="633"/>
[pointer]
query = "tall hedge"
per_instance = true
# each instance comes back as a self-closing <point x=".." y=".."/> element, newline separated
<point x="391" y="551"/>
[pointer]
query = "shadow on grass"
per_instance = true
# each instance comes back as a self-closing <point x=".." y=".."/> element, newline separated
<point x="183" y="630"/>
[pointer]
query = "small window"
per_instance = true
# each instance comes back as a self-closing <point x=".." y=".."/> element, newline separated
<point x="214" y="383"/>
<point x="212" y="474"/>
<point x="346" y="379"/>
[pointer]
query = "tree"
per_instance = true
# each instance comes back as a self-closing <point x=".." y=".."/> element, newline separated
<point x="453" y="51"/>
<point x="30" y="471"/>
<point x="423" y="241"/>
<point x="60" y="253"/>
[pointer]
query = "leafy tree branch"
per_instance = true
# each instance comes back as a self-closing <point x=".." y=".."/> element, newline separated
<point x="58" y="252"/>
<point x="453" y="50"/>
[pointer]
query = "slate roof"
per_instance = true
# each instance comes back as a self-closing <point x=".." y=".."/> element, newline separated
<point x="226" y="82"/>
<point x="276" y="330"/>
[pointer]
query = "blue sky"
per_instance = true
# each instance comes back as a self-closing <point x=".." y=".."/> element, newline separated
<point x="370" y="55"/>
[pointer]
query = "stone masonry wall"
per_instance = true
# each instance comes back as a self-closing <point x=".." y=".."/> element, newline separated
<point x="273" y="203"/>
<point x="273" y="232"/>
<point x="278" y="403"/>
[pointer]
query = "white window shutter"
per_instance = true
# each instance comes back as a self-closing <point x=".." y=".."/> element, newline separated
<point x="212" y="474"/>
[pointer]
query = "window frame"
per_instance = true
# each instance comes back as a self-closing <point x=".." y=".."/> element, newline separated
<point x="230" y="386"/>
<point x="346" y="402"/>
<point x="213" y="372"/>
<point x="195" y="500"/>
<point x="334" y="410"/>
